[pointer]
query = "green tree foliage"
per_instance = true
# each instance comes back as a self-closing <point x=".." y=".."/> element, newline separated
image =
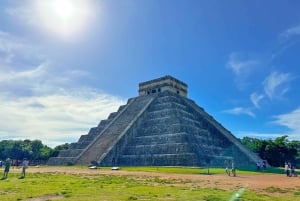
<point x="59" y="148"/>
<point x="32" y="150"/>
<point x="277" y="151"/>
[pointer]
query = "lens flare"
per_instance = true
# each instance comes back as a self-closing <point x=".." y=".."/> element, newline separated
<point x="65" y="18"/>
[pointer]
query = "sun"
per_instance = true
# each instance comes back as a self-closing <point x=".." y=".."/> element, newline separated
<point x="64" y="9"/>
<point x="65" y="18"/>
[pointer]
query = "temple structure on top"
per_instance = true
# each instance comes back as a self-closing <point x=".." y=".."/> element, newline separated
<point x="166" y="83"/>
<point x="160" y="127"/>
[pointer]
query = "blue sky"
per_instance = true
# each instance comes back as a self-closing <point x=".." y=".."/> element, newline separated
<point x="65" y="65"/>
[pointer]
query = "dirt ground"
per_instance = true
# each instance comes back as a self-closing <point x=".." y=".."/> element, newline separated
<point x="255" y="182"/>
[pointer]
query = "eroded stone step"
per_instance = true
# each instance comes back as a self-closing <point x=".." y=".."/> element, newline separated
<point x="166" y="148"/>
<point x="159" y="159"/>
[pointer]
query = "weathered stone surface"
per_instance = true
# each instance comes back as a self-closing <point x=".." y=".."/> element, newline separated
<point x="158" y="129"/>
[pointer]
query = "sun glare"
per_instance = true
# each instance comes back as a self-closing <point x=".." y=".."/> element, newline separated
<point x="63" y="9"/>
<point x="65" y="18"/>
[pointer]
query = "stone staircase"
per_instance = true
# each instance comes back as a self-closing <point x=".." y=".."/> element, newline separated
<point x="107" y="139"/>
<point x="70" y="155"/>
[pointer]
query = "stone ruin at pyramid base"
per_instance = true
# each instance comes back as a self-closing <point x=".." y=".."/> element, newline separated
<point x="160" y="127"/>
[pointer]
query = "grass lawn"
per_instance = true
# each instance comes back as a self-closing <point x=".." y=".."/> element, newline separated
<point x="90" y="187"/>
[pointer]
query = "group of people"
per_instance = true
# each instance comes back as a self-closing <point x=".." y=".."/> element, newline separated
<point x="7" y="165"/>
<point x="231" y="171"/>
<point x="289" y="169"/>
<point x="261" y="165"/>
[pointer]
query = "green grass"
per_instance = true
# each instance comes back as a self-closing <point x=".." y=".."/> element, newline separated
<point x="198" y="170"/>
<point x="92" y="187"/>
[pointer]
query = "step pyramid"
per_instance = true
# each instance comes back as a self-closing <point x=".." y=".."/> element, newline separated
<point x="160" y="127"/>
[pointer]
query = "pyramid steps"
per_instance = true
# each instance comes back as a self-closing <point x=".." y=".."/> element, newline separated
<point x="159" y="159"/>
<point x="166" y="148"/>
<point x="223" y="131"/>
<point x="160" y="139"/>
<point x="70" y="156"/>
<point x="70" y="153"/>
<point x="110" y="136"/>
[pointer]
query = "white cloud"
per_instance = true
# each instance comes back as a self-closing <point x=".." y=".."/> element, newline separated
<point x="240" y="66"/>
<point x="37" y="105"/>
<point x="9" y="46"/>
<point x="256" y="98"/>
<point x="16" y="53"/>
<point x="276" y="84"/>
<point x="240" y="111"/>
<point x="287" y="39"/>
<point x="9" y="43"/>
<point x="290" y="120"/>
<point x="55" y="118"/>
<point x="293" y="31"/>
<point x="21" y="77"/>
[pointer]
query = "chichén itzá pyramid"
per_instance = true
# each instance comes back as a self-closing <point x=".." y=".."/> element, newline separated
<point x="160" y="127"/>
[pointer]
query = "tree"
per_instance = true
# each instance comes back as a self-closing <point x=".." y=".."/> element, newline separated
<point x="252" y="143"/>
<point x="32" y="150"/>
<point x="276" y="152"/>
<point x="58" y="148"/>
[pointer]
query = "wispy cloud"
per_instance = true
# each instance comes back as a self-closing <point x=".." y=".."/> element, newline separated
<point x="256" y="98"/>
<point x="8" y="48"/>
<point x="240" y="111"/>
<point x="243" y="68"/>
<point x="9" y="43"/>
<point x="286" y="39"/>
<point x="17" y="53"/>
<point x="276" y="84"/>
<point x="291" y="121"/>
<point x="240" y="66"/>
<point x="290" y="32"/>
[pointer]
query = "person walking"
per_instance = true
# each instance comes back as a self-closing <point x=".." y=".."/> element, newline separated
<point x="258" y="165"/>
<point x="287" y="169"/>
<point x="24" y="167"/>
<point x="233" y="170"/>
<point x="226" y="168"/>
<point x="6" y="168"/>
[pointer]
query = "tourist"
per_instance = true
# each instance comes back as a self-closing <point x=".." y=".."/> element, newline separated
<point x="293" y="173"/>
<point x="6" y="167"/>
<point x="264" y="165"/>
<point x="258" y="166"/>
<point x="24" y="167"/>
<point x="226" y="168"/>
<point x="233" y="170"/>
<point x="287" y="169"/>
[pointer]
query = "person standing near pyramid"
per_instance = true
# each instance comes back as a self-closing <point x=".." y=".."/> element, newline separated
<point x="24" y="167"/>
<point x="6" y="168"/>
<point x="233" y="168"/>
